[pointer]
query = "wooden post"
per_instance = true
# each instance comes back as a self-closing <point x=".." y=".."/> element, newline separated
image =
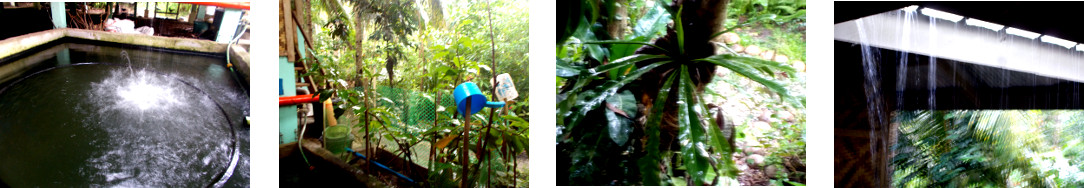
<point x="192" y="12"/>
<point x="289" y="29"/>
<point x="464" y="154"/>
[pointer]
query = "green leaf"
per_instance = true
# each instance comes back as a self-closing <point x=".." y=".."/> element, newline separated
<point x="786" y="9"/>
<point x="564" y="107"/>
<point x="604" y="91"/>
<point x="597" y="52"/>
<point x="594" y="8"/>
<point x="620" y="126"/>
<point x="747" y="67"/>
<point x="619" y="72"/>
<point x="570" y="17"/>
<point x="680" y="31"/>
<point x="520" y="144"/>
<point x="485" y="67"/>
<point x="678" y="181"/>
<point x="798" y="14"/>
<point x="723" y="147"/>
<point x="630" y="60"/>
<point x="445" y="141"/>
<point x="513" y="118"/>
<point x="625" y="102"/>
<point x="763" y="3"/>
<point x="479" y="117"/>
<point x="649" y="164"/>
<point x="771" y="65"/>
<point x="565" y="70"/>
<point x="626" y="42"/>
<point x="618" y="51"/>
<point x="691" y="134"/>
<point x="651" y="23"/>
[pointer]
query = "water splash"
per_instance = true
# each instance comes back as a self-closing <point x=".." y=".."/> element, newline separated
<point x="124" y="53"/>
<point x="910" y="31"/>
<point x="905" y="40"/>
<point x="105" y="139"/>
<point x="149" y="108"/>
<point x="874" y="103"/>
<point x="144" y="149"/>
<point x="115" y="129"/>
<point x="932" y="72"/>
<point x="143" y="91"/>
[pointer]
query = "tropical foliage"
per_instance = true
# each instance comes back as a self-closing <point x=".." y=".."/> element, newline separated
<point x="644" y="66"/>
<point x="989" y="148"/>
<point x="364" y="49"/>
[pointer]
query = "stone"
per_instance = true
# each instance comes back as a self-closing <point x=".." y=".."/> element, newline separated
<point x="731" y="38"/>
<point x="752" y="50"/>
<point x="780" y="58"/>
<point x="737" y="48"/>
<point x="771" y="171"/>
<point x="742" y="167"/>
<point x="765" y="115"/>
<point x="774" y="170"/>
<point x="785" y="115"/>
<point x="767" y="55"/>
<point x="755" y="160"/>
<point x="758" y="151"/>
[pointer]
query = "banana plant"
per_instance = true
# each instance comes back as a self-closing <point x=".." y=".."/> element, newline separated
<point x="630" y="146"/>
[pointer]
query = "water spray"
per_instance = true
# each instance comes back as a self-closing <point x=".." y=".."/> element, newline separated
<point x="220" y="177"/>
<point x="125" y="54"/>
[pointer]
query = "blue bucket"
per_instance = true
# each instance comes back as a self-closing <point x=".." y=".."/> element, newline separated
<point x="468" y="92"/>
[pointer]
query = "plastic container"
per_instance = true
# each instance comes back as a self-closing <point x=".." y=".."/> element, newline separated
<point x="468" y="92"/>
<point x="337" y="138"/>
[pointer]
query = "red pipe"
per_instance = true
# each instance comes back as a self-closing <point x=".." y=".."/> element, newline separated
<point x="233" y="5"/>
<point x="292" y="100"/>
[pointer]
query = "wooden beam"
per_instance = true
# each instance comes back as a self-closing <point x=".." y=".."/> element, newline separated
<point x="310" y="46"/>
<point x="308" y="37"/>
<point x="289" y="30"/>
<point x="303" y="15"/>
<point x="312" y="88"/>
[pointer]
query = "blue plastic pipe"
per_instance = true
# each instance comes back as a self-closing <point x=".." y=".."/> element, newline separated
<point x="380" y="165"/>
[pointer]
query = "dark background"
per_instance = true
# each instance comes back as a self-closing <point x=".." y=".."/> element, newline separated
<point x="959" y="85"/>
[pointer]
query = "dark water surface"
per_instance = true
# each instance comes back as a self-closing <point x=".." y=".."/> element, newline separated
<point x="77" y="115"/>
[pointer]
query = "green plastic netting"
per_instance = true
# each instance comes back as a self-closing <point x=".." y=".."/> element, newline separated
<point x="416" y="108"/>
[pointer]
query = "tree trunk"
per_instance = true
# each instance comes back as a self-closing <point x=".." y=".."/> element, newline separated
<point x="616" y="27"/>
<point x="359" y="64"/>
<point x="700" y="19"/>
<point x="436" y="13"/>
<point x="359" y="52"/>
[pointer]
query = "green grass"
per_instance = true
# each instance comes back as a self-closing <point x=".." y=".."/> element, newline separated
<point x="789" y="42"/>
